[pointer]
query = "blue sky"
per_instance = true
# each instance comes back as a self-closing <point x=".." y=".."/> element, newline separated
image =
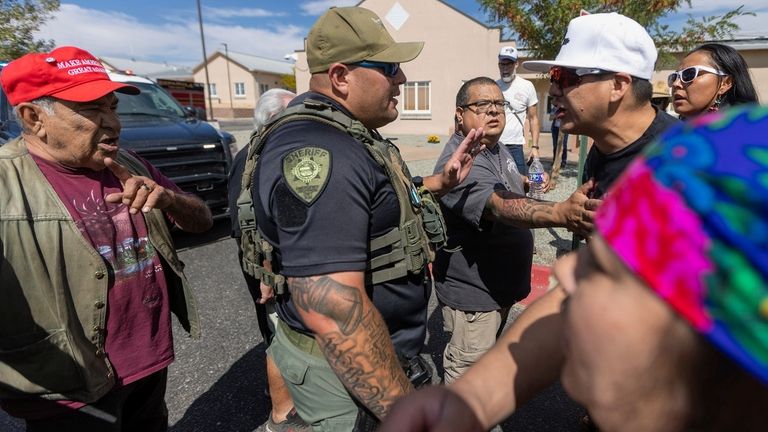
<point x="167" y="30"/>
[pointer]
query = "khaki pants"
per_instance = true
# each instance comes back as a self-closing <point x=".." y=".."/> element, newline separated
<point x="320" y="398"/>
<point x="472" y="334"/>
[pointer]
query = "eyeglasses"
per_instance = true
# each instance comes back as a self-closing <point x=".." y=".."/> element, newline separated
<point x="567" y="77"/>
<point x="389" y="69"/>
<point x="483" y="106"/>
<point x="690" y="73"/>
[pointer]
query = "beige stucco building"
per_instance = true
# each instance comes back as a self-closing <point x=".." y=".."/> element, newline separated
<point x="237" y="81"/>
<point x="457" y="47"/>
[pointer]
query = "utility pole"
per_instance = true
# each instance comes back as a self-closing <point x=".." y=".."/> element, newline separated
<point x="205" y="61"/>
<point x="229" y="81"/>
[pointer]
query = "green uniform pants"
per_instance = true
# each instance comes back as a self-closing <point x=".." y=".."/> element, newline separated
<point x="320" y="398"/>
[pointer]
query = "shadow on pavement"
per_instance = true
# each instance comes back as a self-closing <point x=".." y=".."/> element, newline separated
<point x="235" y="403"/>
<point x="438" y="338"/>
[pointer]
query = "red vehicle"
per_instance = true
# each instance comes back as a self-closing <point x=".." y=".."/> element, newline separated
<point x="187" y="93"/>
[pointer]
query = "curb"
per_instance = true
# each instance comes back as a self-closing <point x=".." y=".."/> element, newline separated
<point x="539" y="283"/>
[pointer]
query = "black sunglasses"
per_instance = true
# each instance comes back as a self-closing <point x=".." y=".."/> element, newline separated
<point x="568" y="77"/>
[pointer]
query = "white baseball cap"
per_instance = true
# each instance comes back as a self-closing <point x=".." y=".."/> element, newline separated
<point x="607" y="41"/>
<point x="508" y="52"/>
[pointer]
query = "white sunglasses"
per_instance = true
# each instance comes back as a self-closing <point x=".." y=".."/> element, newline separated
<point x="690" y="73"/>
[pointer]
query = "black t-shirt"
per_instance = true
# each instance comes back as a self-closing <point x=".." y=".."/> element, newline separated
<point x="607" y="168"/>
<point x="331" y="234"/>
<point x="486" y="265"/>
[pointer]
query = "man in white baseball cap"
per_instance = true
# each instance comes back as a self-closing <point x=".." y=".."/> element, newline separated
<point x="521" y="95"/>
<point x="600" y="82"/>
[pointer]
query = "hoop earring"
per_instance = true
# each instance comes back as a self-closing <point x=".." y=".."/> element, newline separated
<point x="716" y="105"/>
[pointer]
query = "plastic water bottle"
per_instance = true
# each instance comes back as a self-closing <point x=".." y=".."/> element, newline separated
<point x="536" y="176"/>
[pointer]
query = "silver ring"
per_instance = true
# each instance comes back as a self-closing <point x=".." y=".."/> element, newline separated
<point x="146" y="187"/>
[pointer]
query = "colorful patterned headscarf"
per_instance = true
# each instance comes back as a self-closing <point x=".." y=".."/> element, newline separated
<point x="690" y="218"/>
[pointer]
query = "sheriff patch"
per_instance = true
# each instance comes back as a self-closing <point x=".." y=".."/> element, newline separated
<point x="306" y="172"/>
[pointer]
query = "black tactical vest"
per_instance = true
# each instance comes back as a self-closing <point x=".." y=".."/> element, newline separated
<point x="410" y="245"/>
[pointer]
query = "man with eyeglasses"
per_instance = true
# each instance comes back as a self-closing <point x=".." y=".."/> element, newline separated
<point x="601" y="86"/>
<point x="486" y="266"/>
<point x="344" y="227"/>
<point x="522" y="104"/>
<point x="600" y="83"/>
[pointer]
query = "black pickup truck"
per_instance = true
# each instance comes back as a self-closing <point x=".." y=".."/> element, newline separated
<point x="189" y="151"/>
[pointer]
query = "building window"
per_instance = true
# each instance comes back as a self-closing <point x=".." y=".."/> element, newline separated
<point x="239" y="89"/>
<point x="416" y="97"/>
<point x="263" y="88"/>
<point x="212" y="90"/>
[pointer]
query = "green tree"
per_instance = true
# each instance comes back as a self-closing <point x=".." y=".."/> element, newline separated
<point x="289" y="82"/>
<point x="541" y="24"/>
<point x="19" y="20"/>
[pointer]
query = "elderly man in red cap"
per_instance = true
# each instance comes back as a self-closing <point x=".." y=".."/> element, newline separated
<point x="88" y="269"/>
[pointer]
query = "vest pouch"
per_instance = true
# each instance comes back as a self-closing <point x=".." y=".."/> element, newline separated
<point x="411" y="234"/>
<point x="252" y="255"/>
<point x="432" y="217"/>
<point x="40" y="368"/>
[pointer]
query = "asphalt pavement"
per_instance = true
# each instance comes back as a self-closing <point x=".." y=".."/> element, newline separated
<point x="217" y="383"/>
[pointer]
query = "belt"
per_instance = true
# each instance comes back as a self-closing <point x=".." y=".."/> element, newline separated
<point x="304" y="343"/>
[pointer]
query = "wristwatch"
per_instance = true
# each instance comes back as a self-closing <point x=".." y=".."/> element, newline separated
<point x="418" y="181"/>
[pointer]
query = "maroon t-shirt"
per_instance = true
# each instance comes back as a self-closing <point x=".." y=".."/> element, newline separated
<point x="138" y="333"/>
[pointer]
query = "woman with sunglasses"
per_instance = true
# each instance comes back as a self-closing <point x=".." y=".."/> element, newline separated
<point x="710" y="77"/>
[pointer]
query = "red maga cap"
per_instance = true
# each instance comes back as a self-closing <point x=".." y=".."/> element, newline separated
<point x="67" y="73"/>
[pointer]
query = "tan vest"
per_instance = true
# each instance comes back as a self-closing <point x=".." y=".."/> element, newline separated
<point x="53" y="288"/>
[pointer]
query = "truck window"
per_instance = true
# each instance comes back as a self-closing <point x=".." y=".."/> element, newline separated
<point x="152" y="101"/>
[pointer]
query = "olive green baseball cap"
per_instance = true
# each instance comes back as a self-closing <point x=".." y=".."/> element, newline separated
<point x="352" y="34"/>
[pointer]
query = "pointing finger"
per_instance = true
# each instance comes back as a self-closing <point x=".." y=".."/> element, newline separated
<point x="118" y="170"/>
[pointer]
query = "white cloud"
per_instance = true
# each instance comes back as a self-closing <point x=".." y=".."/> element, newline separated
<point x="239" y="13"/>
<point x="317" y="7"/>
<point x="178" y="41"/>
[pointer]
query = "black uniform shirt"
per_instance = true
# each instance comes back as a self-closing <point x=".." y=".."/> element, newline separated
<point x="607" y="168"/>
<point x="331" y="234"/>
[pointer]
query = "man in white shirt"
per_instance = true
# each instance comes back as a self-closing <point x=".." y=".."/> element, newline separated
<point x="521" y="95"/>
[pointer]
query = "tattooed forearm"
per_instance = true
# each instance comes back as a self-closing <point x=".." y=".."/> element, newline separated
<point x="356" y="344"/>
<point x="342" y="303"/>
<point x="366" y="364"/>
<point x="522" y="212"/>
